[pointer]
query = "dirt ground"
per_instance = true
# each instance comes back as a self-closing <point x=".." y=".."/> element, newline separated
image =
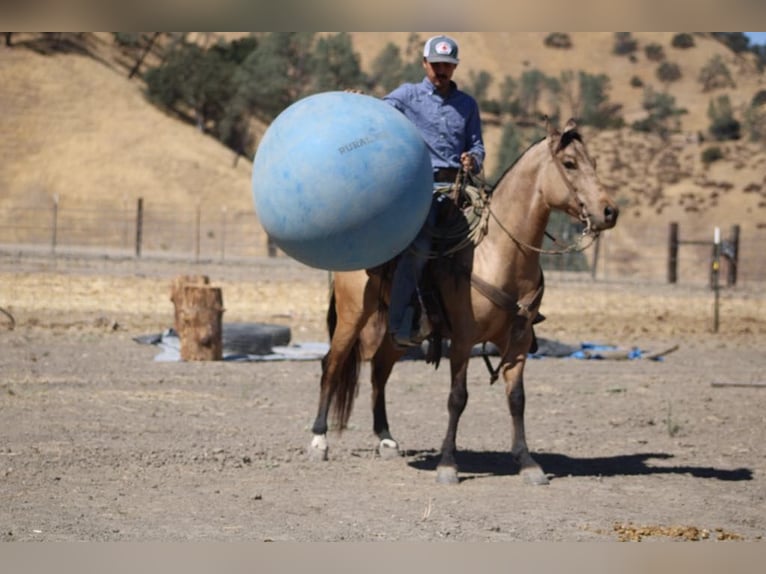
<point x="100" y="442"/>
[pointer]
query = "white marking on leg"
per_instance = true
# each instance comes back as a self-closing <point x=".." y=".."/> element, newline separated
<point x="319" y="442"/>
<point x="389" y="443"/>
<point x="318" y="448"/>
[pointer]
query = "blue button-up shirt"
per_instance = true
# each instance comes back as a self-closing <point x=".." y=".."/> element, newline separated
<point x="449" y="126"/>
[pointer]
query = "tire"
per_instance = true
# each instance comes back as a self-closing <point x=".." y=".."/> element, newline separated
<point x="253" y="338"/>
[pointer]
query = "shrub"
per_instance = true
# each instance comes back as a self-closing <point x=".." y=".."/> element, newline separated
<point x="636" y="82"/>
<point x="723" y="124"/>
<point x="711" y="154"/>
<point x="668" y="72"/>
<point x="654" y="52"/>
<point x="715" y="74"/>
<point x="558" y="40"/>
<point x="759" y="99"/>
<point x="683" y="41"/>
<point x="624" y="44"/>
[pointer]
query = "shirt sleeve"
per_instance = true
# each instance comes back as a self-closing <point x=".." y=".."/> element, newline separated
<point x="474" y="138"/>
<point x="398" y="98"/>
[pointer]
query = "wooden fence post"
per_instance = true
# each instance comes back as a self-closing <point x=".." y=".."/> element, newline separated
<point x="55" y="222"/>
<point x="139" y="225"/>
<point x="673" y="253"/>
<point x="732" y="253"/>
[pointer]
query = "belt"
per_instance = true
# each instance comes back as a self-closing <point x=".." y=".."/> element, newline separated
<point x="445" y="175"/>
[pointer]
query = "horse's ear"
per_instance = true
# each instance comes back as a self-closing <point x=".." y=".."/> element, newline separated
<point x="552" y="131"/>
<point x="571" y="125"/>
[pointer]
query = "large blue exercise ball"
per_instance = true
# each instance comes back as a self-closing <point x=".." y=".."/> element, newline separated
<point x="342" y="181"/>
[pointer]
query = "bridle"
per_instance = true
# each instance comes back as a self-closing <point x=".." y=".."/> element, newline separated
<point x="583" y="216"/>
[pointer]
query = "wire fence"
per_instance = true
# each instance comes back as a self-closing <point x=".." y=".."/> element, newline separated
<point x="205" y="233"/>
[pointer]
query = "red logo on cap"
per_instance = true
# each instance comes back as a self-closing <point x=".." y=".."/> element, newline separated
<point x="443" y="48"/>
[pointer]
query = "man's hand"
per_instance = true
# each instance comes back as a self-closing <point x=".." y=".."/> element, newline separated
<point x="468" y="161"/>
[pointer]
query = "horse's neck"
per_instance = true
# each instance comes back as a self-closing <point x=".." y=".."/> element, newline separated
<point x="519" y="216"/>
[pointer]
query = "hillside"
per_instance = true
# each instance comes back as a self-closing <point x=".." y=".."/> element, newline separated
<point x="75" y="127"/>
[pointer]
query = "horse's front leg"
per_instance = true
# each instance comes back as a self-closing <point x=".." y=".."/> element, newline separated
<point x="446" y="470"/>
<point x="380" y="350"/>
<point x="513" y="375"/>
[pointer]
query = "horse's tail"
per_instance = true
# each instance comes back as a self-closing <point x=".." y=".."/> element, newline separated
<point x="332" y="314"/>
<point x="346" y="380"/>
<point x="347" y="384"/>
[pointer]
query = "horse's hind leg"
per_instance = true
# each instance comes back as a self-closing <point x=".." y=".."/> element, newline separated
<point x="531" y="472"/>
<point x="382" y="364"/>
<point x="339" y="358"/>
<point x="339" y="375"/>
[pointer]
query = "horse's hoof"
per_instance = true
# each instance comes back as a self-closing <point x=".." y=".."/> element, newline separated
<point x="534" y="476"/>
<point x="317" y="450"/>
<point x="446" y="475"/>
<point x="388" y="449"/>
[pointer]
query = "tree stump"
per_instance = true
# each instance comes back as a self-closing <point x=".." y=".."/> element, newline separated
<point x="198" y="315"/>
<point x="175" y="294"/>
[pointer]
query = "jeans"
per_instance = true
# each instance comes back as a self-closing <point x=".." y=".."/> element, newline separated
<point x="405" y="291"/>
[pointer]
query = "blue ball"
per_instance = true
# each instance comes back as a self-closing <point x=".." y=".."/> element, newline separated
<point x="342" y="181"/>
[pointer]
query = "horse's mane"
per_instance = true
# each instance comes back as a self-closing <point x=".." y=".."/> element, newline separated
<point x="510" y="167"/>
<point x="566" y="138"/>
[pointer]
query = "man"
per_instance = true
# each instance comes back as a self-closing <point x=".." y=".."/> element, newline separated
<point x="449" y="121"/>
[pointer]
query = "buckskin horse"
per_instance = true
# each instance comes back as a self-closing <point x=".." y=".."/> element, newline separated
<point x="490" y="292"/>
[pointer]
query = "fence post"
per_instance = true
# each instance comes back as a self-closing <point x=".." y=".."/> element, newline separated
<point x="714" y="270"/>
<point x="197" y="233"/>
<point x="732" y="256"/>
<point x="139" y="225"/>
<point x="223" y="232"/>
<point x="595" y="257"/>
<point x="55" y="222"/>
<point x="271" y="247"/>
<point x="673" y="253"/>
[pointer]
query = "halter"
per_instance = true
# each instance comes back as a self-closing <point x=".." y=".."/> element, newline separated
<point x="583" y="216"/>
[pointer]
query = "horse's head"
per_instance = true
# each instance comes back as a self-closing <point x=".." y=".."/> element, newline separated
<point x="572" y="184"/>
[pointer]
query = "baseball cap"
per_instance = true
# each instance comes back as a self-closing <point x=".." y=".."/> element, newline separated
<point x="441" y="49"/>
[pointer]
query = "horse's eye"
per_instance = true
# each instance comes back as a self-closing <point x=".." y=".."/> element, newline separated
<point x="570" y="164"/>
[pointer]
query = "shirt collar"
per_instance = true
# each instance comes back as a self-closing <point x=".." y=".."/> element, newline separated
<point x="432" y="89"/>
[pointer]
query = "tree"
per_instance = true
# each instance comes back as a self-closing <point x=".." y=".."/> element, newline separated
<point x="507" y="91"/>
<point x="412" y="71"/>
<point x="532" y="84"/>
<point x="509" y="151"/>
<point x="654" y="52"/>
<point x="386" y="68"/>
<point x="723" y="124"/>
<point x="145" y="52"/>
<point x="663" y="117"/>
<point x="683" y="41"/>
<point x="479" y="83"/>
<point x="736" y="41"/>
<point x="624" y="44"/>
<point x="336" y="65"/>
<point x="194" y="82"/>
<point x="276" y="74"/>
<point x="755" y="123"/>
<point x="596" y="110"/>
<point x="715" y="74"/>
<point x="668" y="72"/>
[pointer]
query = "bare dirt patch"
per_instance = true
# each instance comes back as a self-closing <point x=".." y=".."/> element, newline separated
<point x="101" y="442"/>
